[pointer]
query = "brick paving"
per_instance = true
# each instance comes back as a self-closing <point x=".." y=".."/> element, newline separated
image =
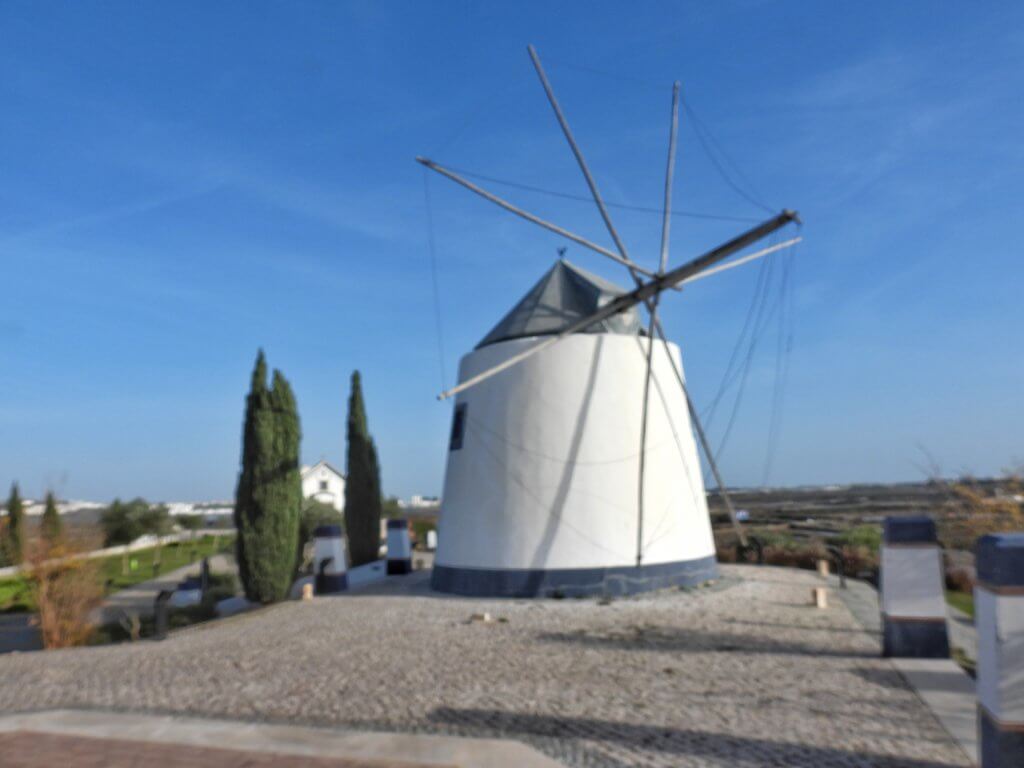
<point x="743" y="674"/>
<point x="24" y="749"/>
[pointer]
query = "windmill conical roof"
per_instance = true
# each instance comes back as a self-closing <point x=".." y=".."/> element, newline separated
<point x="564" y="295"/>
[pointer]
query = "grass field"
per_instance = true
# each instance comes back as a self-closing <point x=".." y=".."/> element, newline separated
<point x="961" y="600"/>
<point x="119" y="572"/>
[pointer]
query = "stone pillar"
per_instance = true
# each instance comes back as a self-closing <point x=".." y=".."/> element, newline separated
<point x="999" y="618"/>
<point x="330" y="566"/>
<point x="399" y="548"/>
<point x="913" y="590"/>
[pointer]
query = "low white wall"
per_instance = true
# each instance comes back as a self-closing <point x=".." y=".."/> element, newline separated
<point x="144" y="542"/>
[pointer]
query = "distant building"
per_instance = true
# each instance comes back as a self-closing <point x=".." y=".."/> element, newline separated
<point x="424" y="501"/>
<point x="325" y="484"/>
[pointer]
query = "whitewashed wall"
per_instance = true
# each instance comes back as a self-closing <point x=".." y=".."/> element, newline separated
<point x="548" y="470"/>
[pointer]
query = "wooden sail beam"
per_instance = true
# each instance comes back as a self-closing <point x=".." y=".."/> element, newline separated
<point x="653" y="309"/>
<point x="670" y="169"/>
<point x="740" y="262"/>
<point x="531" y="217"/>
<point x="641" y="294"/>
<point x="578" y="153"/>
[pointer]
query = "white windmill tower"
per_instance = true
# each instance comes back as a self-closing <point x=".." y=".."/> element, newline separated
<point x="572" y="467"/>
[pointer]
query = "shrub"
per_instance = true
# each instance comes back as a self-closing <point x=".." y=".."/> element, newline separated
<point x="13" y="542"/>
<point x="269" y="495"/>
<point x="960" y="580"/>
<point x="314" y="514"/>
<point x="65" y="590"/>
<point x="867" y="536"/>
<point x="51" y="525"/>
<point x="189" y="522"/>
<point x="362" y="486"/>
<point x="124" y="522"/>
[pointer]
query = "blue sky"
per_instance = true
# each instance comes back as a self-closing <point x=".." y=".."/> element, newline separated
<point x="183" y="183"/>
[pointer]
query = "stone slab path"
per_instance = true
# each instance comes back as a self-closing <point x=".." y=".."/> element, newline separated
<point x="140" y="598"/>
<point x="745" y="674"/>
<point x="943" y="686"/>
<point x="118" y="740"/>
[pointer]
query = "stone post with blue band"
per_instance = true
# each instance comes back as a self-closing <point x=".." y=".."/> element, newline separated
<point x="399" y="547"/>
<point x="330" y="566"/>
<point x="913" y="590"/>
<point x="999" y="618"/>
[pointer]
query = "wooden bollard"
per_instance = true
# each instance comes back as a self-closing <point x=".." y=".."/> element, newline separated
<point x="999" y="618"/>
<point x="307" y="591"/>
<point x="823" y="568"/>
<point x="819" y="596"/>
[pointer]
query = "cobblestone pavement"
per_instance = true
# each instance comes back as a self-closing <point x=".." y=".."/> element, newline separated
<point x="743" y="674"/>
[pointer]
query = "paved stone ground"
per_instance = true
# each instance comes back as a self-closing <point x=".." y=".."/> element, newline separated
<point x="744" y="674"/>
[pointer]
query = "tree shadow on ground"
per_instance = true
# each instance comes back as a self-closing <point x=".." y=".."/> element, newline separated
<point x="729" y="749"/>
<point x="675" y="640"/>
<point x="776" y="625"/>
<point x="928" y="680"/>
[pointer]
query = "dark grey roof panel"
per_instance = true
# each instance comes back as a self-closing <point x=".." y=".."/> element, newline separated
<point x="563" y="296"/>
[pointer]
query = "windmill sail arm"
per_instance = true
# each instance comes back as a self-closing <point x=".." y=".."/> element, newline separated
<point x="740" y="262"/>
<point x="676" y="276"/>
<point x="531" y="217"/>
<point x="642" y="294"/>
<point x="578" y="154"/>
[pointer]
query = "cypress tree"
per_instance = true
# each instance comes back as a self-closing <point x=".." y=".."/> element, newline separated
<point x="268" y="500"/>
<point x="14" y="535"/>
<point x="362" y="486"/>
<point x="51" y="524"/>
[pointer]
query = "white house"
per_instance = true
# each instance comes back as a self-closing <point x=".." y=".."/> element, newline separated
<point x="325" y="484"/>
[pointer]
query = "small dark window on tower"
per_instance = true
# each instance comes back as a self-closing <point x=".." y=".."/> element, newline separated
<point x="323" y="485"/>
<point x="458" y="427"/>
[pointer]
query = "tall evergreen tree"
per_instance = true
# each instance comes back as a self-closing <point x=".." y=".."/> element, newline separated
<point x="362" y="486"/>
<point x="14" y="532"/>
<point x="51" y="525"/>
<point x="269" y="496"/>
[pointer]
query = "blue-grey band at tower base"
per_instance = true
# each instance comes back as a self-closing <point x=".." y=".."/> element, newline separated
<point x="613" y="581"/>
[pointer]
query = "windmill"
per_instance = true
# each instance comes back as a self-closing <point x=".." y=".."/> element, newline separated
<point x="516" y="511"/>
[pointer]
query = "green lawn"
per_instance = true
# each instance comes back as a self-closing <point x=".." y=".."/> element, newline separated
<point x="961" y="600"/>
<point x="119" y="572"/>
